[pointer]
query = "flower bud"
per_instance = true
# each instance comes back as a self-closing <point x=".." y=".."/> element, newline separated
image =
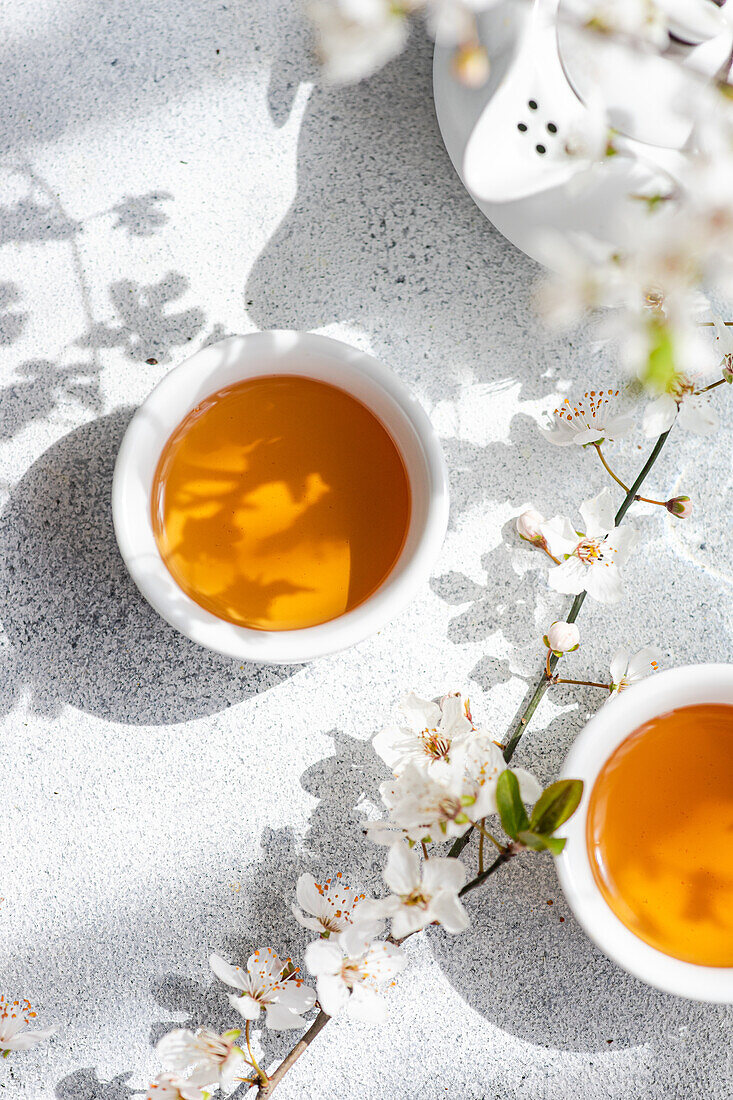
<point x="680" y="507"/>
<point x="728" y="368"/>
<point x="471" y="65"/>
<point x="562" y="637"/>
<point x="528" y="526"/>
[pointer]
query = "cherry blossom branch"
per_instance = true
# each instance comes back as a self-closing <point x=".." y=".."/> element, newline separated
<point x="265" y="1091"/>
<point x="544" y="683"/>
<point x="267" y="1085"/>
<point x="712" y="386"/>
<point x="582" y="683"/>
<point x="646" y="500"/>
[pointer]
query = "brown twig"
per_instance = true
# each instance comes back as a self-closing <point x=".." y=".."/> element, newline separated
<point x="266" y="1091"/>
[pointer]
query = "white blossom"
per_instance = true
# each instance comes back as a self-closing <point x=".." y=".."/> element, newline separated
<point x="452" y="22"/>
<point x="168" y="1086"/>
<point x="214" y="1060"/>
<point x="692" y="411"/>
<point x="427" y="734"/>
<point x="562" y="637"/>
<point x="268" y="983"/>
<point x="357" y="37"/>
<point x="580" y="281"/>
<point x="423" y="892"/>
<point x="331" y="905"/>
<point x="349" y="971"/>
<point x="15" y="1018"/>
<point x="591" y="560"/>
<point x="627" y="669"/>
<point x="587" y="421"/>
<point x="442" y="802"/>
<point x="640" y="19"/>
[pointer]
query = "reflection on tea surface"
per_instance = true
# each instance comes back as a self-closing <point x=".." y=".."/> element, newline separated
<point x="660" y="833"/>
<point x="280" y="502"/>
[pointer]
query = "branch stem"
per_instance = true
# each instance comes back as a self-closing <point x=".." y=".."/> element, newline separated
<point x="647" y="500"/>
<point x="544" y="683"/>
<point x="583" y="683"/>
<point x="268" y="1086"/>
<point x="265" y="1091"/>
<point x="712" y="386"/>
<point x="262" y="1076"/>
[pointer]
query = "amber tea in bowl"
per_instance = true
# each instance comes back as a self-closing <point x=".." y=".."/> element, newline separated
<point x="280" y="496"/>
<point x="280" y="502"/>
<point x="660" y="833"/>
<point x="648" y="863"/>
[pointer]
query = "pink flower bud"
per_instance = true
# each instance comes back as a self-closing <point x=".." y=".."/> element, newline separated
<point x="680" y="507"/>
<point x="528" y="526"/>
<point x="562" y="637"/>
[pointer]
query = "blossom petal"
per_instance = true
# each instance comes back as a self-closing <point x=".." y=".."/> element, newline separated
<point x="560" y="535"/>
<point x="598" y="514"/>
<point x="603" y="583"/>
<point x="231" y="1071"/>
<point x="175" y="1049"/>
<point x="230" y="975"/>
<point x="296" y="996"/>
<point x="333" y="994"/>
<point x="659" y="416"/>
<point x="323" y="957"/>
<point x="309" y="898"/>
<point x="402" y="871"/>
<point x="643" y="663"/>
<point x="421" y="714"/>
<point x="444" y="873"/>
<point x="366" y="1004"/>
<point x="622" y="541"/>
<point x="619" y="664"/>
<point x="529" y="788"/>
<point x="246" y="1006"/>
<point x="447" y="909"/>
<point x="408" y="919"/>
<point x="280" y="1018"/>
<point x="568" y="577"/>
<point x="24" y="1040"/>
<point x="698" y="415"/>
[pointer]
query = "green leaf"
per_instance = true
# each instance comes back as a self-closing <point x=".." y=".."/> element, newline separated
<point x="509" y="803"/>
<point x="555" y="805"/>
<point x="539" y="843"/>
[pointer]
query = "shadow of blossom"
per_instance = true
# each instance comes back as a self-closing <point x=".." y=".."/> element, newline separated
<point x="343" y="783"/>
<point x="11" y="321"/>
<point x="84" y="1084"/>
<point x="80" y="633"/>
<point x="31" y="220"/>
<point x="333" y="842"/>
<point x="140" y="215"/>
<point x="204" y="1005"/>
<point x="44" y="384"/>
<point x="147" y="329"/>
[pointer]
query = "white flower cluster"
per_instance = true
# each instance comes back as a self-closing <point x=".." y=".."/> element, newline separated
<point x="445" y="773"/>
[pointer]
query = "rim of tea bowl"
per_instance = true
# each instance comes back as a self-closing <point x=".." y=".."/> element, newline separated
<point x="258" y="354"/>
<point x="614" y="722"/>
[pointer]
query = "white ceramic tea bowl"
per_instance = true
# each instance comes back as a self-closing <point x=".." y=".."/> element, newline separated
<point x="640" y="703"/>
<point x="234" y="360"/>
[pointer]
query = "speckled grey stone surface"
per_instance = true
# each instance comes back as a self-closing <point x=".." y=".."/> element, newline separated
<point x="171" y="172"/>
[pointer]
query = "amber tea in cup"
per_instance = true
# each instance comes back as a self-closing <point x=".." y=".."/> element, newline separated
<point x="280" y="502"/>
<point x="660" y="833"/>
